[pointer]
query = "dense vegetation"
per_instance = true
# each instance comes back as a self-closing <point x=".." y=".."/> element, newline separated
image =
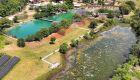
<point x="135" y="23"/>
<point x="45" y="32"/>
<point x="69" y="3"/>
<point x="4" y="23"/>
<point x="74" y="43"/>
<point x="93" y="24"/>
<point x="9" y="7"/>
<point x="63" y="48"/>
<point x="127" y="7"/>
<point x="52" y="40"/>
<point x="49" y="10"/>
<point x="109" y="13"/>
<point x="21" y="43"/>
<point x="126" y="71"/>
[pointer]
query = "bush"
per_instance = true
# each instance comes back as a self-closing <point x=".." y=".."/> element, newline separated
<point x="74" y="43"/>
<point x="135" y="50"/>
<point x="111" y="14"/>
<point x="93" y="34"/>
<point x="39" y="15"/>
<point x="93" y="24"/>
<point x="52" y="40"/>
<point x="131" y="4"/>
<point x="125" y="71"/>
<point x="63" y="48"/>
<point x="65" y="23"/>
<point x="16" y="19"/>
<point x="21" y="43"/>
<point x="87" y="36"/>
<point x="5" y="23"/>
<point x="77" y="18"/>
<point x="102" y="10"/>
<point x="70" y="4"/>
<point x="109" y="23"/>
<point x="30" y="38"/>
<point x="123" y="20"/>
<point x="62" y="31"/>
<point x="125" y="9"/>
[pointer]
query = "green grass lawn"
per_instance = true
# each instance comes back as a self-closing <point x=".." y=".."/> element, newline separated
<point x="31" y="66"/>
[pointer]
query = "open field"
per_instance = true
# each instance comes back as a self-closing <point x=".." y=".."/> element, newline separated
<point x="137" y="2"/>
<point x="31" y="66"/>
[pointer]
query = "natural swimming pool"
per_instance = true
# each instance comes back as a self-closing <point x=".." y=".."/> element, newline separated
<point x="31" y="27"/>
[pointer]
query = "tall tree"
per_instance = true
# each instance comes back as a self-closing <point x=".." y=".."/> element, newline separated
<point x="63" y="48"/>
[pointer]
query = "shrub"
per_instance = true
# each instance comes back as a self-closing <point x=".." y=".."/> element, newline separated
<point x="62" y="31"/>
<point x="65" y="23"/>
<point x="102" y="10"/>
<point x="93" y="34"/>
<point x="21" y="43"/>
<point x="54" y="28"/>
<point x="70" y="4"/>
<point x="87" y="36"/>
<point x="5" y="23"/>
<point x="16" y="19"/>
<point x="109" y="22"/>
<point x="93" y="24"/>
<point x="124" y="9"/>
<point x="30" y="38"/>
<point x="131" y="4"/>
<point x="111" y="14"/>
<point x="123" y="20"/>
<point x="63" y="48"/>
<point x="77" y="18"/>
<point x="39" y="15"/>
<point x="52" y="40"/>
<point x="74" y="43"/>
<point x="63" y="7"/>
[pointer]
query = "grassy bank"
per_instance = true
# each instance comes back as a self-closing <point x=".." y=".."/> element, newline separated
<point x="31" y="66"/>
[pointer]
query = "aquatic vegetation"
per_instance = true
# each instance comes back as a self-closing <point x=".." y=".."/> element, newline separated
<point x="97" y="60"/>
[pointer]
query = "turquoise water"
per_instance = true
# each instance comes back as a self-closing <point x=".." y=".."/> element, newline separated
<point x="31" y="27"/>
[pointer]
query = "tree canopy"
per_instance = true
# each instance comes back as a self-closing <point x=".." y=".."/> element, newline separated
<point x="131" y="4"/>
<point x="63" y="48"/>
<point x="9" y="7"/>
<point x="69" y="3"/>
<point x="5" y="23"/>
<point x="21" y="43"/>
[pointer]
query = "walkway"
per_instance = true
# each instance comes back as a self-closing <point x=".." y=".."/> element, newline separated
<point x="47" y="19"/>
<point x="52" y="65"/>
